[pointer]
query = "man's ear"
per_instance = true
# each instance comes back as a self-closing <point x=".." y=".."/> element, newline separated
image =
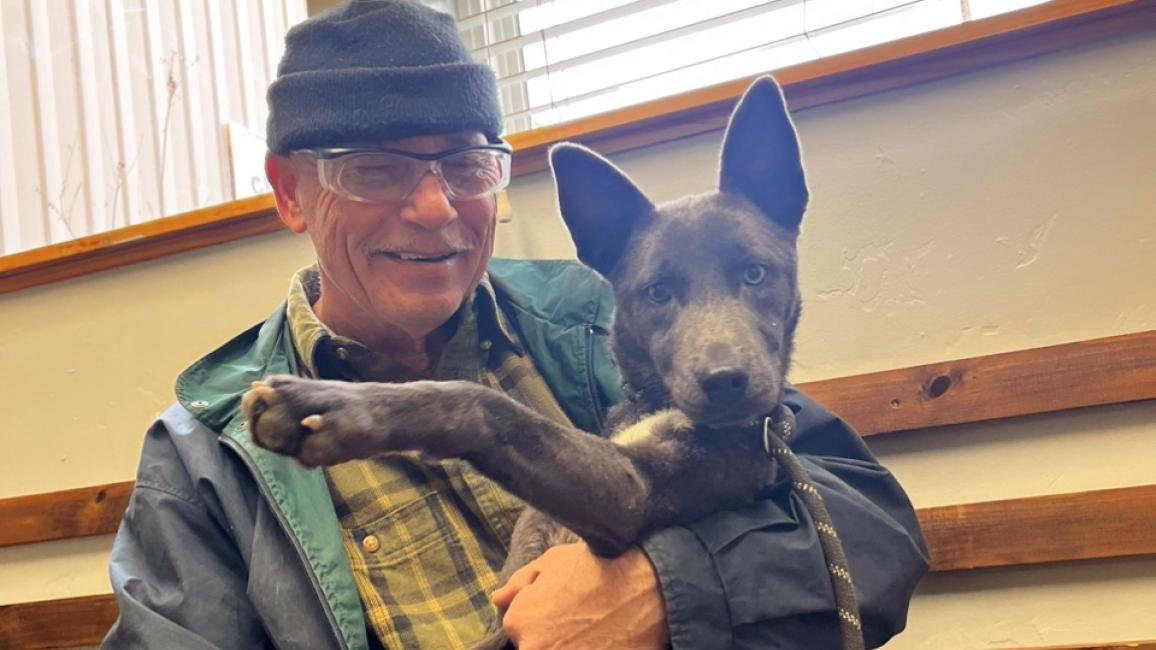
<point x="282" y="175"/>
<point x="599" y="204"/>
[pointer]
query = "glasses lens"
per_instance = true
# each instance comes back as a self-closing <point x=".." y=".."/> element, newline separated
<point x="375" y="176"/>
<point x="476" y="172"/>
<point x="382" y="177"/>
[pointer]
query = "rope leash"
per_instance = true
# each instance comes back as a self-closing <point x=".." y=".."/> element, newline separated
<point x="776" y="434"/>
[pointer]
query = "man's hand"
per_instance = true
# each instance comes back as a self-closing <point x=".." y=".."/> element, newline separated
<point x="569" y="598"/>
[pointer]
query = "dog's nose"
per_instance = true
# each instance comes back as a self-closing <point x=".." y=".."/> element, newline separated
<point x="723" y="384"/>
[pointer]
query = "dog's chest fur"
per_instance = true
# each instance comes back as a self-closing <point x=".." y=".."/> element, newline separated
<point x="729" y="465"/>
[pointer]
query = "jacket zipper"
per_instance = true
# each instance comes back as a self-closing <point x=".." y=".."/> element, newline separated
<point x="264" y="489"/>
<point x="591" y="382"/>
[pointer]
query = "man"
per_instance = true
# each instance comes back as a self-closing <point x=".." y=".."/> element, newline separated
<point x="385" y="151"/>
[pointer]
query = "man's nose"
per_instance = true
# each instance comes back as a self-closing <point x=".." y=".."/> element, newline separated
<point x="427" y="204"/>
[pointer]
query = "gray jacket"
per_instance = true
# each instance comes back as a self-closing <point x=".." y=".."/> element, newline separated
<point x="224" y="545"/>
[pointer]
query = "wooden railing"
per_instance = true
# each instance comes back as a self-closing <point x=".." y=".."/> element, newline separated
<point x="1119" y="522"/>
<point x="1110" y="523"/>
<point x="63" y="623"/>
<point x="1110" y="370"/>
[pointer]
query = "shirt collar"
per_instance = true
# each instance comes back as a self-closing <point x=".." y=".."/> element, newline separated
<point x="491" y="319"/>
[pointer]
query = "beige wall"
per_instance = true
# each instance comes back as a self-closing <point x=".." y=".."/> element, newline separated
<point x="1006" y="209"/>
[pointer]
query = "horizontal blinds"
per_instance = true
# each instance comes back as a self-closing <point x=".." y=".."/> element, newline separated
<point x="561" y="60"/>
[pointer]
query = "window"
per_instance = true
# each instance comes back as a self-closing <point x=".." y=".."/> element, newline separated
<point x="562" y="60"/>
<point x="120" y="112"/>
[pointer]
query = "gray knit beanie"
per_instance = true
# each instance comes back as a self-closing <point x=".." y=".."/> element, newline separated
<point x="371" y="70"/>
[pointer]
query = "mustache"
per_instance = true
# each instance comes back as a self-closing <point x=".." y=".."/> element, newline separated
<point x="453" y="240"/>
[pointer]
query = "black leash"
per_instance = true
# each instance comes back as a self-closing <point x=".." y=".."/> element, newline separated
<point x="777" y="431"/>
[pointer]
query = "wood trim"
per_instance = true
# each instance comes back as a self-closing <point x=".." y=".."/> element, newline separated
<point x="67" y="514"/>
<point x="1110" y="370"/>
<point x="1119" y="522"/>
<point x="139" y="243"/>
<point x="1103" y="371"/>
<point x="62" y="623"/>
<point x="1084" y="525"/>
<point x="946" y="52"/>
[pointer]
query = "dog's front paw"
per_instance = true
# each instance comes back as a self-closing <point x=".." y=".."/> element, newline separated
<point x="316" y="422"/>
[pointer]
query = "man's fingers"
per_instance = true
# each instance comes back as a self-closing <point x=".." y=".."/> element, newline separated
<point x="521" y="579"/>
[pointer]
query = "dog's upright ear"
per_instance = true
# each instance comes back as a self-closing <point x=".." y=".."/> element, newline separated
<point x="761" y="160"/>
<point x="599" y="204"/>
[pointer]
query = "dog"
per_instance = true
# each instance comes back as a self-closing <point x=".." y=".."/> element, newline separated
<point x="707" y="301"/>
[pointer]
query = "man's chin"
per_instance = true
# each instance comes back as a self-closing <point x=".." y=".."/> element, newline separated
<point x="418" y="308"/>
<point x="419" y="314"/>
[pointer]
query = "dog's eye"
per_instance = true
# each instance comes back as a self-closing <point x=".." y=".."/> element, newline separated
<point x="755" y="274"/>
<point x="658" y="293"/>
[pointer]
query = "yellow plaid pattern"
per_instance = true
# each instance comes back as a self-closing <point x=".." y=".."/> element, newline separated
<point x="425" y="539"/>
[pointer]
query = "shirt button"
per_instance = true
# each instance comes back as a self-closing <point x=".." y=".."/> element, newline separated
<point x="486" y="345"/>
<point x="370" y="543"/>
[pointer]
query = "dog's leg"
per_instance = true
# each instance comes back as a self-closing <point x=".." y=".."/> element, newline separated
<point x="585" y="482"/>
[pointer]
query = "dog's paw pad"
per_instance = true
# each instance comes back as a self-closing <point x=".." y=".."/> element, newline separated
<point x="259" y="399"/>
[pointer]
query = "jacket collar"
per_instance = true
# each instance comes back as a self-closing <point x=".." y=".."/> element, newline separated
<point x="211" y="388"/>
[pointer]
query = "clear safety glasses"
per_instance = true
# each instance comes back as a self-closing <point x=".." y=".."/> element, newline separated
<point x="386" y="175"/>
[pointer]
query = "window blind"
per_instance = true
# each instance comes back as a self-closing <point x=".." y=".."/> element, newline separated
<point x="562" y="60"/>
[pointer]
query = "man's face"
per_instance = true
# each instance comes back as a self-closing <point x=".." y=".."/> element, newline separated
<point x="406" y="264"/>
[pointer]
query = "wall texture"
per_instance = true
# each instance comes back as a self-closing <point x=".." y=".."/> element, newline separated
<point x="1006" y="209"/>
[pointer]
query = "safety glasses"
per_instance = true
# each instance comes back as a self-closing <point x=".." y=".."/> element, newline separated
<point x="383" y="175"/>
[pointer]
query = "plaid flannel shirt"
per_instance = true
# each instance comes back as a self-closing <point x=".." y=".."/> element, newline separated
<point x="425" y="540"/>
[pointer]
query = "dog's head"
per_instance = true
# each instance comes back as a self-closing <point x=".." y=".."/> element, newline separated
<point x="706" y="286"/>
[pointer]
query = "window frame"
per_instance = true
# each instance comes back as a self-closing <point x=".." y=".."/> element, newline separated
<point x="942" y="53"/>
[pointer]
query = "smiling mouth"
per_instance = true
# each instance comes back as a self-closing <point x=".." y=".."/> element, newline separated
<point x="421" y="258"/>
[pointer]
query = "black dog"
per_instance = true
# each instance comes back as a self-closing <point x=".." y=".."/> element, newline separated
<point x="707" y="301"/>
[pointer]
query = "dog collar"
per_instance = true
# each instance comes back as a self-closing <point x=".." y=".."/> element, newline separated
<point x="781" y="423"/>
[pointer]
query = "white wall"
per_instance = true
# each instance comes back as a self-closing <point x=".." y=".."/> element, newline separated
<point x="1007" y="209"/>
